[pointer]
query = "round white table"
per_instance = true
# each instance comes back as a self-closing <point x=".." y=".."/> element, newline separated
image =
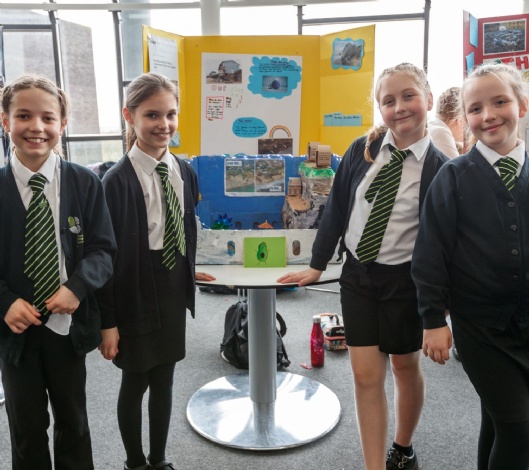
<point x="262" y="409"/>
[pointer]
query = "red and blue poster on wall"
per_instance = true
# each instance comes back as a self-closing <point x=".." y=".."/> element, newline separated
<point x="497" y="39"/>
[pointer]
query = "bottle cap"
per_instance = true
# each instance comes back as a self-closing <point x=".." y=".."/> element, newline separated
<point x="316" y="319"/>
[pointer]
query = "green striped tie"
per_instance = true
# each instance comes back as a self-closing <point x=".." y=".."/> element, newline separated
<point x="41" y="258"/>
<point x="508" y="167"/>
<point x="173" y="236"/>
<point x="384" y="187"/>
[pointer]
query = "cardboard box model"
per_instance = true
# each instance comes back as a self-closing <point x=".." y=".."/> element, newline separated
<point x="312" y="149"/>
<point x="323" y="156"/>
<point x="294" y="186"/>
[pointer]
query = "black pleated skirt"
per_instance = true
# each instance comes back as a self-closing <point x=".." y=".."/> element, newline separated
<point x="166" y="344"/>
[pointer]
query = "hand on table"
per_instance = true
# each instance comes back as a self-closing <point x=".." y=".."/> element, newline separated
<point x="301" y="278"/>
<point x="204" y="277"/>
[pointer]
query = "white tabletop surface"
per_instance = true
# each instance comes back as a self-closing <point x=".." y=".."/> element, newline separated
<point x="237" y="276"/>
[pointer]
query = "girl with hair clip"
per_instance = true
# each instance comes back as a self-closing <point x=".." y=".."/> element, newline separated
<point x="151" y="196"/>
<point x="473" y="249"/>
<point x="386" y="172"/>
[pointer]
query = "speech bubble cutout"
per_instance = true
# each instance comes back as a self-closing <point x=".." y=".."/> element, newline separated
<point x="250" y="127"/>
<point x="273" y="77"/>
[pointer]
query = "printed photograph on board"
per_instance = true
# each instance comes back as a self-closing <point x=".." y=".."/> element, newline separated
<point x="504" y="36"/>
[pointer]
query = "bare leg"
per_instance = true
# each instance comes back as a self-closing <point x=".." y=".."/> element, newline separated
<point x="409" y="395"/>
<point x="369" y="375"/>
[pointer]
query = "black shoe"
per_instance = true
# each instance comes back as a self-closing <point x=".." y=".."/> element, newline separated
<point x="396" y="460"/>
<point x="141" y="467"/>
<point x="455" y="354"/>
<point x="162" y="466"/>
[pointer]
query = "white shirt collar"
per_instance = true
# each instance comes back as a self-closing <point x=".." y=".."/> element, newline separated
<point x="147" y="163"/>
<point x="518" y="153"/>
<point x="418" y="149"/>
<point x="24" y="174"/>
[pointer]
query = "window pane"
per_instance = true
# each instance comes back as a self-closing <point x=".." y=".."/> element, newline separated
<point x="185" y="22"/>
<point x="239" y="21"/>
<point x="28" y="52"/>
<point x="131" y="30"/>
<point x="359" y="8"/>
<point x="90" y="152"/>
<point x="8" y="17"/>
<point x="90" y="71"/>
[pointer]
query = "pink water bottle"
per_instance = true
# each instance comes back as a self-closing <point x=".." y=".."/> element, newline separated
<point x="317" y="351"/>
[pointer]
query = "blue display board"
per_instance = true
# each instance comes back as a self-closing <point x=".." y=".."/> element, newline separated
<point x="247" y="211"/>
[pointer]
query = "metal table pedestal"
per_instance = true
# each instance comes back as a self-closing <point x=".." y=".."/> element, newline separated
<point x="303" y="411"/>
<point x="263" y="409"/>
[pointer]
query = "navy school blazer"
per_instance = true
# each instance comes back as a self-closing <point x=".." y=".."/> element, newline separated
<point x="88" y="244"/>
<point x="351" y="171"/>
<point x="131" y="305"/>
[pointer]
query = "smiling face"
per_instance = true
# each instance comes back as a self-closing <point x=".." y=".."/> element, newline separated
<point x="404" y="106"/>
<point x="155" y="121"/>
<point x="35" y="125"/>
<point x="493" y="111"/>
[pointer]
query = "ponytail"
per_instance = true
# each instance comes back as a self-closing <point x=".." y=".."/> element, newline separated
<point x="373" y="134"/>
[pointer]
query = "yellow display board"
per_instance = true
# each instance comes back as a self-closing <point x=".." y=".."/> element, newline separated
<point x="336" y="81"/>
<point x="346" y="90"/>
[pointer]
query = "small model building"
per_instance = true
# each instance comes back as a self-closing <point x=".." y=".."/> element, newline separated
<point x="323" y="156"/>
<point x="312" y="150"/>
<point x="294" y="186"/>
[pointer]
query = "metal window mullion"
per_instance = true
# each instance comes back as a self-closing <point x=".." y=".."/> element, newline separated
<point x="26" y="28"/>
<point x="120" y="68"/>
<point x="365" y="19"/>
<point x="2" y="62"/>
<point x="94" y="137"/>
<point x="59" y="75"/>
<point x="300" y="19"/>
<point x="99" y="6"/>
<point x="427" y="6"/>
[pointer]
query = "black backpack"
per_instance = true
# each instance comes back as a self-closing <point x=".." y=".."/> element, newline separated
<point x="234" y="346"/>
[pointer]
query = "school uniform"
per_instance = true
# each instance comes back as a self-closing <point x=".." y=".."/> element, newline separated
<point x="132" y="304"/>
<point x="30" y="366"/>
<point x="352" y="170"/>
<point x="343" y="220"/>
<point x="472" y="254"/>
<point x="145" y="300"/>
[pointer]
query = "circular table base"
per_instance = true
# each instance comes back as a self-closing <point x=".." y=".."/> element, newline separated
<point x="223" y="412"/>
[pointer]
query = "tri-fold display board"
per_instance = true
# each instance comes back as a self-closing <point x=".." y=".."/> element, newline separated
<point x="267" y="94"/>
